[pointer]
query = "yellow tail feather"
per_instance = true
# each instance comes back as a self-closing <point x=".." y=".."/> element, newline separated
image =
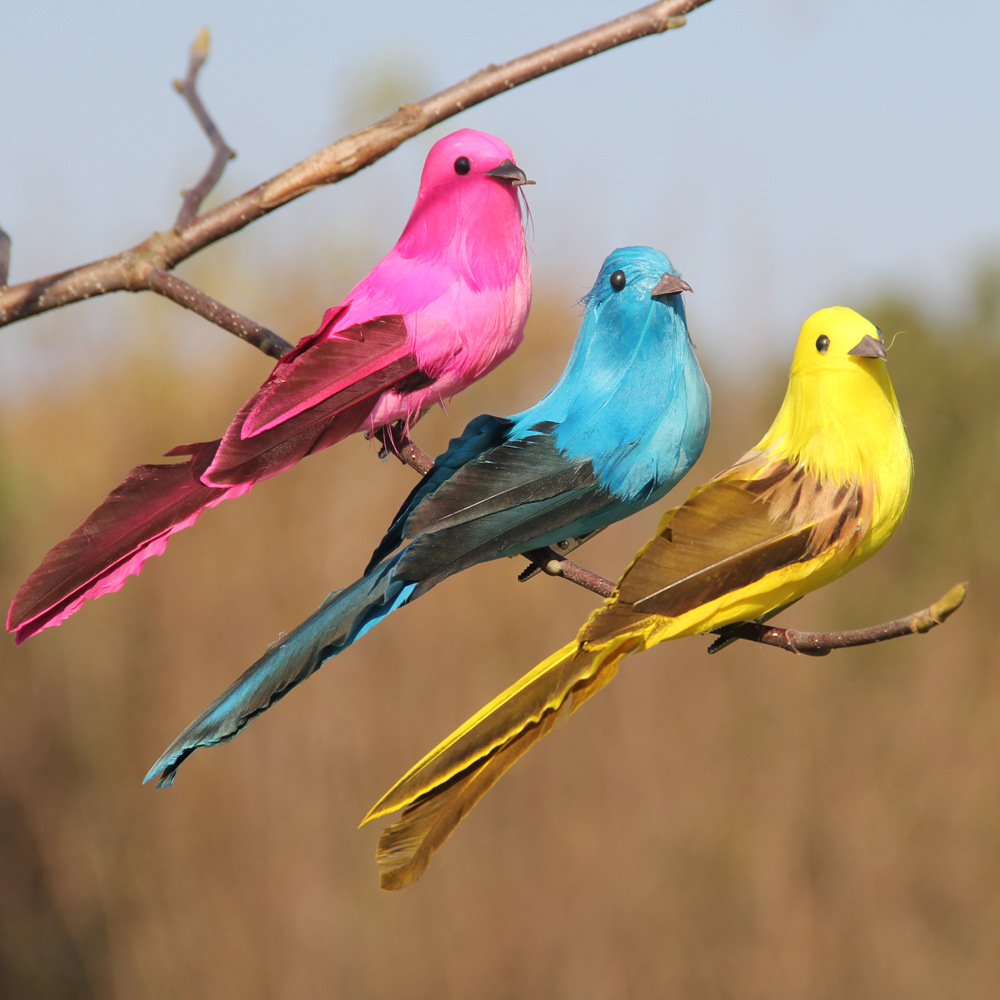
<point x="438" y="791"/>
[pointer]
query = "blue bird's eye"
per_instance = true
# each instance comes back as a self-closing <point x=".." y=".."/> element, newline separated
<point x="822" y="343"/>
<point x="617" y="280"/>
<point x="462" y="165"/>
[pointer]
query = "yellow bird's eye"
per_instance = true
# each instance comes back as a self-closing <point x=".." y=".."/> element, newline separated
<point x="822" y="343"/>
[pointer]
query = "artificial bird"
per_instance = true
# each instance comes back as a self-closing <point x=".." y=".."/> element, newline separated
<point x="445" y="306"/>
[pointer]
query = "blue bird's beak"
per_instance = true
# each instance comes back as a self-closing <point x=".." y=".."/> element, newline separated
<point x="869" y="348"/>
<point x="670" y="284"/>
<point x="510" y="173"/>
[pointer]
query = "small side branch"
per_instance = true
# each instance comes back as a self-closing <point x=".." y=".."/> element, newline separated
<point x="395" y="441"/>
<point x="821" y="643"/>
<point x="221" y="152"/>
<point x="4" y="258"/>
<point x="179" y="291"/>
<point x="550" y="562"/>
<point x="810" y="643"/>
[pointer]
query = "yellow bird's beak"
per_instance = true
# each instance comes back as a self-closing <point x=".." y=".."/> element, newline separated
<point x="869" y="348"/>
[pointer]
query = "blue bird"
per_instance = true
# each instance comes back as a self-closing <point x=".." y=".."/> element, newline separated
<point x="626" y="420"/>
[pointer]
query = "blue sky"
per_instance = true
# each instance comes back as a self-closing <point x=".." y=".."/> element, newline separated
<point x="787" y="154"/>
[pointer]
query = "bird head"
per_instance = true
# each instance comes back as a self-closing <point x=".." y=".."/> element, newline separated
<point x="467" y="218"/>
<point x="838" y="338"/>
<point x="840" y="413"/>
<point x="466" y="157"/>
<point x="631" y="277"/>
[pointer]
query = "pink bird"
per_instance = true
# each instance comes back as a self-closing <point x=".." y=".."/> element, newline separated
<point x="443" y="308"/>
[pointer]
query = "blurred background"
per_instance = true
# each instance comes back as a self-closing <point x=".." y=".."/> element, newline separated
<point x="751" y="825"/>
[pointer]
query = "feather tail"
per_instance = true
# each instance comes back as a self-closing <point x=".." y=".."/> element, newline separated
<point x="344" y="617"/>
<point x="438" y="791"/>
<point x="134" y="522"/>
<point x="137" y="518"/>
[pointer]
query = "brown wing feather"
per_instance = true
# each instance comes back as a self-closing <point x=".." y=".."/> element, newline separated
<point x="757" y="518"/>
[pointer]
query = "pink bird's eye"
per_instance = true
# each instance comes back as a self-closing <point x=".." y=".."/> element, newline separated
<point x="462" y="165"/>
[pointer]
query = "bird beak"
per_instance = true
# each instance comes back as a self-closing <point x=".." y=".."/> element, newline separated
<point x="869" y="348"/>
<point x="670" y="284"/>
<point x="510" y="173"/>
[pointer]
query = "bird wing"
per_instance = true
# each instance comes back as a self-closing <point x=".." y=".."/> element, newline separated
<point x="480" y="435"/>
<point x="517" y="495"/>
<point x="345" y="362"/>
<point x="340" y="374"/>
<point x="754" y="538"/>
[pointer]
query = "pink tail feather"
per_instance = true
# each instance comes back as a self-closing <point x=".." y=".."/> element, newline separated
<point x="137" y="518"/>
<point x="134" y="522"/>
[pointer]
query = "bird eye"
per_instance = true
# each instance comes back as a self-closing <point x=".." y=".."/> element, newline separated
<point x="462" y="165"/>
<point x="879" y="332"/>
<point x="822" y="343"/>
<point x="617" y="280"/>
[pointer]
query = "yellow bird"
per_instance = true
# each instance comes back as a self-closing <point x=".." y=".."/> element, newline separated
<point x="823" y="490"/>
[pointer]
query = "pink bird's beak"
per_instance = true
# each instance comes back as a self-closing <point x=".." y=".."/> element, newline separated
<point x="509" y="173"/>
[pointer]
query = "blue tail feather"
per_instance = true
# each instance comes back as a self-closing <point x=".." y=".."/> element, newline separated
<point x="341" y="619"/>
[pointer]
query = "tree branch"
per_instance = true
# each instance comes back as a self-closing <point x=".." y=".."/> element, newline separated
<point x="4" y="258"/>
<point x="162" y="251"/>
<point x="820" y="643"/>
<point x="811" y="643"/>
<point x="395" y="441"/>
<point x="222" y="153"/>
<point x="179" y="291"/>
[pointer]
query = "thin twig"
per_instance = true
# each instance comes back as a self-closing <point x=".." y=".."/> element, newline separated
<point x="4" y="258"/>
<point x="128" y="271"/>
<point x="550" y="562"/>
<point x="222" y="153"/>
<point x="811" y="643"/>
<point x="395" y="441"/>
<point x="820" y="643"/>
<point x="179" y="291"/>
